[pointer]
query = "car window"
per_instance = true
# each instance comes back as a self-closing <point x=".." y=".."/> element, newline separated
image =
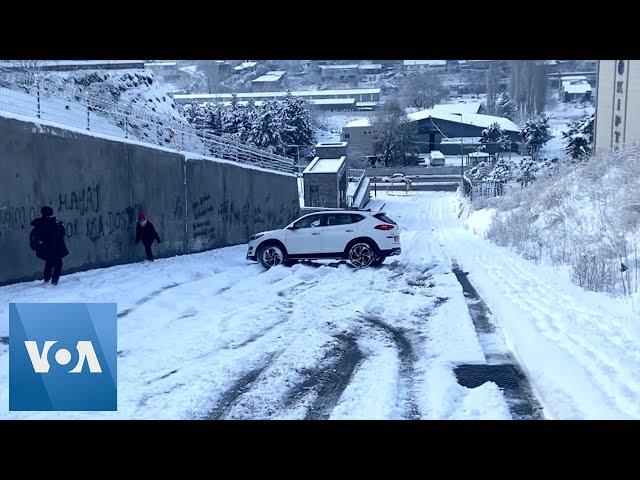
<point x="355" y="218"/>
<point x="309" y="222"/>
<point x="383" y="218"/>
<point x="338" y="219"/>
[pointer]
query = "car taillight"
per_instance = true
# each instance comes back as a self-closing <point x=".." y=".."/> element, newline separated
<point x="383" y="226"/>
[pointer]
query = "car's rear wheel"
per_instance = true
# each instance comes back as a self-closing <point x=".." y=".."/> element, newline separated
<point x="361" y="255"/>
<point x="270" y="255"/>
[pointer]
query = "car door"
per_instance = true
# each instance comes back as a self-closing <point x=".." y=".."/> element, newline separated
<point x="338" y="230"/>
<point x="304" y="238"/>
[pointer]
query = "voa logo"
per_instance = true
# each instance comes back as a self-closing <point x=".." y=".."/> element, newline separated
<point x="63" y="357"/>
<point x="40" y="359"/>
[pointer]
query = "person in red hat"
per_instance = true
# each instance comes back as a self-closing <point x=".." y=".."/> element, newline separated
<point x="146" y="232"/>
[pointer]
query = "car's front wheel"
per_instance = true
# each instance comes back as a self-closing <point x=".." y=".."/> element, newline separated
<point x="361" y="255"/>
<point x="270" y="255"/>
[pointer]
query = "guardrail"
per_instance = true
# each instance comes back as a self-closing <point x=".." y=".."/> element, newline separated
<point x="104" y="117"/>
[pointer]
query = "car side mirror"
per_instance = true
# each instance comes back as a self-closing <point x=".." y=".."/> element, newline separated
<point x="291" y="227"/>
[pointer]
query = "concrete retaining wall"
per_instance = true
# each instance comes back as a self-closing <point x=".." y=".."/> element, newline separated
<point x="97" y="187"/>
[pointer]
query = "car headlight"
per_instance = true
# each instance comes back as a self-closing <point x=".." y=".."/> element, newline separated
<point x="256" y="236"/>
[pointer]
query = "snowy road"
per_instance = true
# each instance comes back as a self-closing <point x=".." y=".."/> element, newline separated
<point x="211" y="336"/>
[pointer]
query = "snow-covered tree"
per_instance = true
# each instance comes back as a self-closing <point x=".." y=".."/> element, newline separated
<point x="535" y="133"/>
<point x="296" y="124"/>
<point x="501" y="171"/>
<point x="505" y="106"/>
<point x="493" y="138"/>
<point x="481" y="171"/>
<point x="580" y="138"/>
<point x="266" y="128"/>
<point x="526" y="171"/>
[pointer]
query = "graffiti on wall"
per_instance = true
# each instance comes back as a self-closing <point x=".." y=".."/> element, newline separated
<point x="81" y="211"/>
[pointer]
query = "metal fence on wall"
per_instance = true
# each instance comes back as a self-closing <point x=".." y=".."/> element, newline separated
<point x="26" y="98"/>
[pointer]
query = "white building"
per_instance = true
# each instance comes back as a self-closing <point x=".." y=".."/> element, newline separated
<point x="422" y="66"/>
<point x="574" y="88"/>
<point x="617" y="104"/>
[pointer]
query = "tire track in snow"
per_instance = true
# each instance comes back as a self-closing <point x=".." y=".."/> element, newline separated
<point x="147" y="298"/>
<point x="328" y="381"/>
<point x="242" y="385"/>
<point x="407" y="359"/>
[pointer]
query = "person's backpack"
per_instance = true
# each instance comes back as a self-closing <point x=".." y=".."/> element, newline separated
<point x="36" y="242"/>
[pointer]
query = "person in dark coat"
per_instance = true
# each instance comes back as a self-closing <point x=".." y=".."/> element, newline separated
<point x="146" y="232"/>
<point x="52" y="247"/>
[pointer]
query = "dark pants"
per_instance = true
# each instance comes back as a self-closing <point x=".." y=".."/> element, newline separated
<point x="147" y="250"/>
<point x="52" y="269"/>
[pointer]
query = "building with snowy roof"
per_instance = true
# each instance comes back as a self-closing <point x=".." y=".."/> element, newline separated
<point x="245" y="67"/>
<point x="431" y="126"/>
<point x="423" y="66"/>
<point x="359" y="94"/>
<point x="574" y="88"/>
<point x="360" y="140"/>
<point x="268" y="82"/>
<point x="349" y="71"/>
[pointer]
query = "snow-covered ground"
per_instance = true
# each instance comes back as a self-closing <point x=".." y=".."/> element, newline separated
<point x="209" y="335"/>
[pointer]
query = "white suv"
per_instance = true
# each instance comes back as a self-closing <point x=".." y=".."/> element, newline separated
<point x="364" y="238"/>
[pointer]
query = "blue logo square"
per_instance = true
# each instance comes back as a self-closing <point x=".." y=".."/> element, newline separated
<point x="62" y="356"/>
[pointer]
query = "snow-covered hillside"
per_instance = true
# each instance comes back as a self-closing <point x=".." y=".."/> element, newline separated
<point x="109" y="95"/>
<point x="586" y="217"/>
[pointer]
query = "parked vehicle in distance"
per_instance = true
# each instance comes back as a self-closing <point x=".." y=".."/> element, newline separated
<point x="436" y="158"/>
<point x="362" y="237"/>
<point x="396" y="177"/>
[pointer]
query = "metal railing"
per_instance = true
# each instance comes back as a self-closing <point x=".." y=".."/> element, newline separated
<point x="137" y="123"/>
<point x="482" y="188"/>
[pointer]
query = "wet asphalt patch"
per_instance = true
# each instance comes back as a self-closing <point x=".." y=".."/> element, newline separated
<point x="511" y="380"/>
<point x="504" y="370"/>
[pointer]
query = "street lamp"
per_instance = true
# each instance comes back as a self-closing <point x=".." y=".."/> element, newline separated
<point x="461" y="154"/>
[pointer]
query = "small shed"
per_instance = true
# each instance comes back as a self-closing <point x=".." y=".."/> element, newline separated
<point x="325" y="183"/>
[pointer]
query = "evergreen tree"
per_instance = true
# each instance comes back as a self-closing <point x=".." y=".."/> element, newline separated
<point x="493" y="138"/>
<point x="580" y="138"/>
<point x="535" y="133"/>
<point x="505" y="106"/>
<point x="266" y="128"/>
<point x="296" y="124"/>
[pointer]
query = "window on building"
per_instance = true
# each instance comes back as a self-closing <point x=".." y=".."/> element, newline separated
<point x="346" y="135"/>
